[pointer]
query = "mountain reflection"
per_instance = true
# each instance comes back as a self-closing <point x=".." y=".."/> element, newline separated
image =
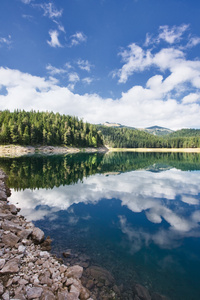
<point x="167" y="196"/>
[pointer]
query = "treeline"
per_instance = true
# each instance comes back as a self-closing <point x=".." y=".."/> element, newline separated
<point x="133" y="138"/>
<point x="46" y="128"/>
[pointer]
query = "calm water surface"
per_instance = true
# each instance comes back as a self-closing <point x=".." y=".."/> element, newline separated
<point x="135" y="214"/>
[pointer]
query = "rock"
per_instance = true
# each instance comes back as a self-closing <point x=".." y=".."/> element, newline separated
<point x="24" y="233"/>
<point x="6" y="296"/>
<point x="63" y="295"/>
<point x="21" y="249"/>
<point x="46" y="245"/>
<point x="67" y="253"/>
<point x="10" y="239"/>
<point x="48" y="295"/>
<point x="20" y="296"/>
<point x="156" y="296"/>
<point x="84" y="294"/>
<point x="2" y="262"/>
<point x="6" y="216"/>
<point x="100" y="275"/>
<point x="34" y="292"/>
<point x="142" y="292"/>
<point x="44" y="278"/>
<point x="11" y="226"/>
<point x="13" y="209"/>
<point x="1" y="289"/>
<point x="75" y="271"/>
<point x="37" y="235"/>
<point x="44" y="254"/>
<point x="12" y="266"/>
<point x="90" y="284"/>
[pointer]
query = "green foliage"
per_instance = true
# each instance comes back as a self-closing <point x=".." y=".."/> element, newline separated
<point x="133" y="138"/>
<point x="37" y="171"/>
<point x="46" y="128"/>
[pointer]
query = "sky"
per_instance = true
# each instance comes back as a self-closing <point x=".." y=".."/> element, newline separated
<point x="133" y="62"/>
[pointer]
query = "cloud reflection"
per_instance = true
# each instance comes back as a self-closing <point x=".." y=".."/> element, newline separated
<point x="172" y="196"/>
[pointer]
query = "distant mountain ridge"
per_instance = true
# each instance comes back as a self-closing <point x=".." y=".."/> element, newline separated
<point x="155" y="130"/>
<point x="158" y="130"/>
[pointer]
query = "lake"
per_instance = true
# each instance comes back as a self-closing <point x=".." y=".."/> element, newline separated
<point x="135" y="215"/>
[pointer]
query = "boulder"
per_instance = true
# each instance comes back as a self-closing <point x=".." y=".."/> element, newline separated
<point x="34" y="292"/>
<point x="11" y="266"/>
<point x="75" y="271"/>
<point x="24" y="233"/>
<point x="48" y="295"/>
<point x="10" y="239"/>
<point x="37" y="235"/>
<point x="142" y="292"/>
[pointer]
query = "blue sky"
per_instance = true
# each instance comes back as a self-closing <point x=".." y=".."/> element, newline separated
<point x="132" y="62"/>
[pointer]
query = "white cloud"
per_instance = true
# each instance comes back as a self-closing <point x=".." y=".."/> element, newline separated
<point x="50" y="10"/>
<point x="193" y="41"/>
<point x="84" y="65"/>
<point x="54" y="42"/>
<point x="5" y="41"/>
<point x="191" y="98"/>
<point x="26" y="1"/>
<point x="73" y="77"/>
<point x="55" y="71"/>
<point x="77" y="38"/>
<point x="139" y="191"/>
<point x="135" y="60"/>
<point x="172" y="35"/>
<point x="87" y="80"/>
<point x="138" y="107"/>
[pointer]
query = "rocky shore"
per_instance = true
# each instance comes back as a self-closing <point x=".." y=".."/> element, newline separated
<point x="29" y="271"/>
<point x="16" y="150"/>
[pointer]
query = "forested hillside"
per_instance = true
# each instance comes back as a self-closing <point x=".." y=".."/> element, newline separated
<point x="185" y="133"/>
<point x="46" y="128"/>
<point x="133" y="138"/>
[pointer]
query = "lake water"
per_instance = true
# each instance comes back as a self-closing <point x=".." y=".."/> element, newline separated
<point x="136" y="215"/>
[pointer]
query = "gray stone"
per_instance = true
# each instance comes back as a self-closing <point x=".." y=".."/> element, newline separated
<point x="11" y="226"/>
<point x="48" y="295"/>
<point x="1" y="288"/>
<point x="6" y="296"/>
<point x="75" y="271"/>
<point x="63" y="295"/>
<point x="13" y="209"/>
<point x="10" y="239"/>
<point x="12" y="266"/>
<point x="34" y="292"/>
<point x="142" y="292"/>
<point x="24" y="234"/>
<point x="21" y="249"/>
<point x="37" y="235"/>
<point x="6" y="216"/>
<point x="2" y="262"/>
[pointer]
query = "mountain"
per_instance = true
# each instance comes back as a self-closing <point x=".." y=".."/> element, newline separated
<point x="116" y="125"/>
<point x="157" y="130"/>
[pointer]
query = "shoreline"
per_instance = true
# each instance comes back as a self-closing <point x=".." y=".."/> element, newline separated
<point x="27" y="269"/>
<point x="17" y="150"/>
<point x="181" y="150"/>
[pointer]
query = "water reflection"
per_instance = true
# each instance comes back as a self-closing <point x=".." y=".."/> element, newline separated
<point x="141" y="210"/>
<point x="171" y="196"/>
